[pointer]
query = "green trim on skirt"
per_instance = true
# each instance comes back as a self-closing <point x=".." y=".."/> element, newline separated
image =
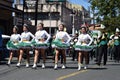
<point x="59" y="44"/>
<point x="83" y="48"/>
<point x="11" y="46"/>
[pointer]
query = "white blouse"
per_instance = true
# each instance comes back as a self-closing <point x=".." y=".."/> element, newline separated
<point x="42" y="34"/>
<point x="15" y="37"/>
<point x="63" y="35"/>
<point x="26" y="36"/>
<point x="84" y="39"/>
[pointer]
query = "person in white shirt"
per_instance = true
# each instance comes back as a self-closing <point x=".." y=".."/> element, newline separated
<point x="41" y="43"/>
<point x="25" y="45"/>
<point x="12" y="43"/>
<point x="60" y="43"/>
<point x="83" y="46"/>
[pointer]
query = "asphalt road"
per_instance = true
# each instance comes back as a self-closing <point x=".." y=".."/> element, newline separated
<point x="109" y="72"/>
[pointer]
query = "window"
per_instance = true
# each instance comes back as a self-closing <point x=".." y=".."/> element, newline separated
<point x="45" y="16"/>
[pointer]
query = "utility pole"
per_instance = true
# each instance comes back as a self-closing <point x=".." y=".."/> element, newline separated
<point x="36" y="12"/>
<point x="73" y="21"/>
<point x="24" y="1"/>
<point x="50" y="19"/>
<point x="73" y="25"/>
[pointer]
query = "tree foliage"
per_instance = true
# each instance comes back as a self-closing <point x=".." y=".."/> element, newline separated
<point x="107" y="12"/>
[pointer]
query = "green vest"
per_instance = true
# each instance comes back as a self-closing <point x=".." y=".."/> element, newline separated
<point x="116" y="42"/>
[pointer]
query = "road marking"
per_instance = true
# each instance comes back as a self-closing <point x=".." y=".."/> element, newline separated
<point x="70" y="75"/>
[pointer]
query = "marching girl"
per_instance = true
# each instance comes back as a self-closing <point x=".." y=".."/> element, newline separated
<point x="25" y="44"/>
<point x="12" y="44"/>
<point x="60" y="44"/>
<point x="83" y="46"/>
<point x="41" y="43"/>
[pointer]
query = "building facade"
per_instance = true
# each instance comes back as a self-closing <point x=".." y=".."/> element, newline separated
<point x="52" y="14"/>
<point x="6" y="17"/>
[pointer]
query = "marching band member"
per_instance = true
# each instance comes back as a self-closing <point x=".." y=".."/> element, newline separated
<point x="83" y="46"/>
<point x="95" y="33"/>
<point x="116" y="40"/>
<point x="12" y="43"/>
<point x="60" y="44"/>
<point x="103" y="40"/>
<point x="41" y="43"/>
<point x="73" y="42"/>
<point x="25" y="44"/>
<point x="111" y="46"/>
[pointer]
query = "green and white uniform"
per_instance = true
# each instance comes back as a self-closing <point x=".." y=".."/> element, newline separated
<point x="13" y="42"/>
<point x="25" y="40"/>
<point x="95" y="35"/>
<point x="84" y="42"/>
<point x="41" y="39"/>
<point x="62" y="40"/>
<point x="116" y="40"/>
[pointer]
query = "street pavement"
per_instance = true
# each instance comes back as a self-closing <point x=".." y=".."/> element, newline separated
<point x="109" y="72"/>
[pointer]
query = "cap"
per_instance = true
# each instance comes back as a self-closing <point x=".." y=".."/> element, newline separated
<point x="25" y="25"/>
<point x="117" y="30"/>
<point x="102" y="26"/>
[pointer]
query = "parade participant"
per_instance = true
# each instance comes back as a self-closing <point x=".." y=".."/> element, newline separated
<point x="95" y="34"/>
<point x="116" y="40"/>
<point x="41" y="43"/>
<point x="103" y="40"/>
<point x="73" y="42"/>
<point x="25" y="44"/>
<point x="111" y="46"/>
<point x="61" y="43"/>
<point x="12" y="44"/>
<point x="83" y="46"/>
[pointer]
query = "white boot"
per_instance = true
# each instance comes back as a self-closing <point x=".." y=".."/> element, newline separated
<point x="55" y="67"/>
<point x="27" y="65"/>
<point x="85" y="67"/>
<point x="18" y="64"/>
<point x="79" y="66"/>
<point x="34" y="66"/>
<point x="43" y="65"/>
<point x="8" y="63"/>
<point x="63" y="66"/>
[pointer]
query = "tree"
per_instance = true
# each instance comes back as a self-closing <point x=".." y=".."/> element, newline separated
<point x="107" y="12"/>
